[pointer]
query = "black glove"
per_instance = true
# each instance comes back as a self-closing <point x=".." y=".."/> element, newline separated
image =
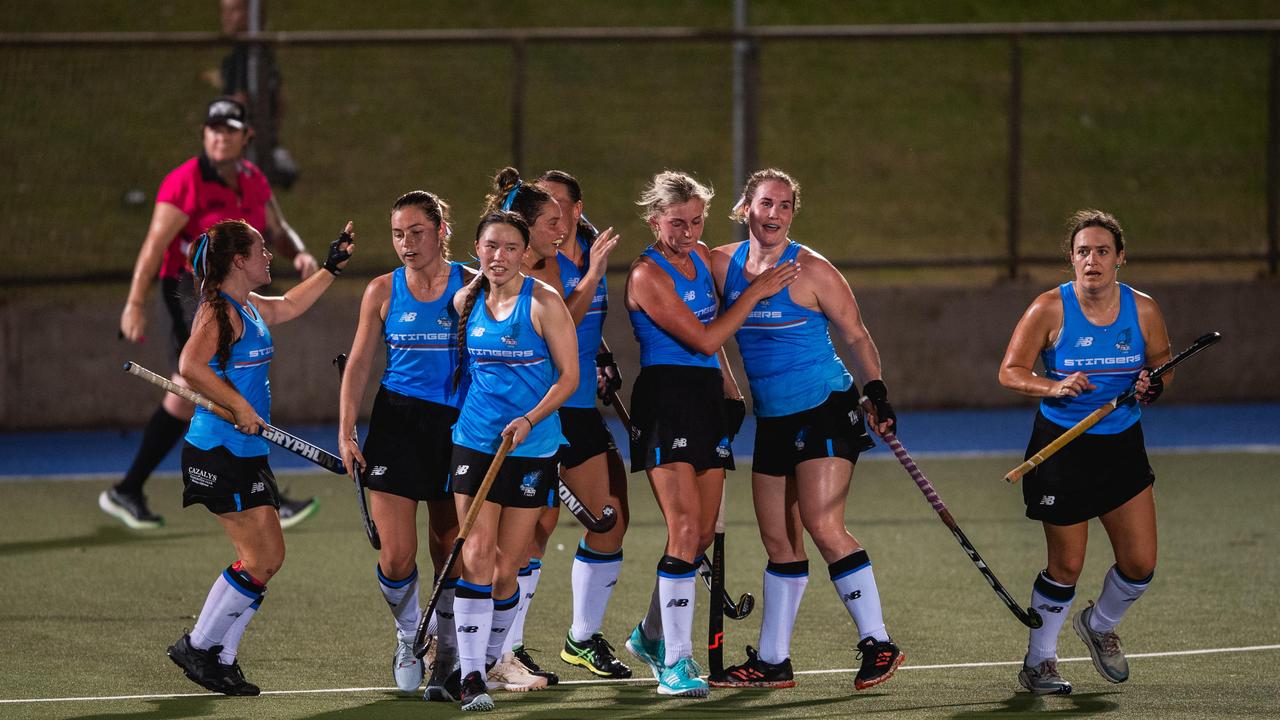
<point x="338" y="254"/>
<point x="878" y="394"/>
<point x="608" y="379"/>
<point x="1153" y="391"/>
<point x="735" y="411"/>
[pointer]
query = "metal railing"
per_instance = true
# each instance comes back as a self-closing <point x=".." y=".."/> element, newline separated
<point x="518" y="39"/>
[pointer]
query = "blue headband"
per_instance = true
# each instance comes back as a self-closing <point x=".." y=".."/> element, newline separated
<point x="511" y="196"/>
<point x="200" y="261"/>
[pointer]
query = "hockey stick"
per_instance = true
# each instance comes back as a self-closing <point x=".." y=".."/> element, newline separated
<point x="1029" y="617"/>
<point x="1096" y="416"/>
<point x="270" y="433"/>
<point x="603" y="524"/>
<point x="420" y="644"/>
<point x="715" y="620"/>
<point x="746" y="602"/>
<point x="370" y="529"/>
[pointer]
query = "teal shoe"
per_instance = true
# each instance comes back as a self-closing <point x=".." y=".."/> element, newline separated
<point x="652" y="652"/>
<point x="682" y="680"/>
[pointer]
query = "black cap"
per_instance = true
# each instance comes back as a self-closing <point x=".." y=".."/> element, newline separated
<point x="226" y="111"/>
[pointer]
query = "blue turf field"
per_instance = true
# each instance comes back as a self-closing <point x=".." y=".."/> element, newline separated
<point x="1167" y="427"/>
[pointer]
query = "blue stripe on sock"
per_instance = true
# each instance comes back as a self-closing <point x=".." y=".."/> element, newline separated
<point x="525" y="571"/>
<point x="395" y="584"/>
<point x="847" y="573"/>
<point x="775" y="573"/>
<point x="475" y="588"/>
<point x="535" y="564"/>
<point x="673" y="576"/>
<point x="233" y="582"/>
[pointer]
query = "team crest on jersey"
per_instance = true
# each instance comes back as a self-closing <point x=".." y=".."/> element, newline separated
<point x="444" y="320"/>
<point x="408" y="316"/>
<point x="1122" y="342"/>
<point x="723" y="449"/>
<point x="800" y="438"/>
<point x="1084" y="341"/>
<point x="529" y="483"/>
<point x="512" y="338"/>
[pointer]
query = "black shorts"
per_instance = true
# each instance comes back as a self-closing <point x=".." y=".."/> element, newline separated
<point x="677" y="415"/>
<point x="224" y="482"/>
<point x="522" y="482"/>
<point x="1091" y="476"/>
<point x="587" y="434"/>
<point x="832" y="429"/>
<point x="179" y="298"/>
<point x="409" y="446"/>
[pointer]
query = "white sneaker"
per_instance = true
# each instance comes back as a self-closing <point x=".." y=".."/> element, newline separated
<point x="511" y="674"/>
<point x="406" y="668"/>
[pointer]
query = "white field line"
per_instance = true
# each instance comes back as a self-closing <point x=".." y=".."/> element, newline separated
<point x="948" y="666"/>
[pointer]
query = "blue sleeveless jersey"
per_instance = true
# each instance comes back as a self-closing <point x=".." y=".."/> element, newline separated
<point x="786" y="349"/>
<point x="511" y="371"/>
<point x="589" y="330"/>
<point x="247" y="372"/>
<point x="657" y="347"/>
<point x="1111" y="356"/>
<point x="421" y="339"/>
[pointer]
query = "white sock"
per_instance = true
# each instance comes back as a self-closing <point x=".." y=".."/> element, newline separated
<point x="784" y="585"/>
<point x="402" y="597"/>
<point x="231" y="641"/>
<point x="504" y="614"/>
<point x="1053" y="600"/>
<point x="856" y="585"/>
<point x="1118" y="595"/>
<point x="528" y="578"/>
<point x="446" y="628"/>
<point x="676" y="579"/>
<point x="232" y="593"/>
<point x="473" y="613"/>
<point x="594" y="576"/>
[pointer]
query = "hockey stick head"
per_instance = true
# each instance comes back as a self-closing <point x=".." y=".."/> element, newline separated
<point x="741" y="609"/>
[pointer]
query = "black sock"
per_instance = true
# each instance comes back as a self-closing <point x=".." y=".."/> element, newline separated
<point x="162" y="433"/>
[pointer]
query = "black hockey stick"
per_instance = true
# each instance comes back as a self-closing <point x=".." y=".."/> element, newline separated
<point x="420" y="644"/>
<point x="603" y="524"/>
<point x="270" y="433"/>
<point x="359" y="476"/>
<point x="1029" y="617"/>
<point x="746" y="602"/>
<point x="1096" y="416"/>
<point x="716" y="608"/>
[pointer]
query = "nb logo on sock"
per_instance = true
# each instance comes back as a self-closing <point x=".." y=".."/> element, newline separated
<point x="468" y="628"/>
<point x="1050" y="608"/>
<point x="853" y="595"/>
<point x="678" y="602"/>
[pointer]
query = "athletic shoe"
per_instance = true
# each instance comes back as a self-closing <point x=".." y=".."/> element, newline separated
<point x="293" y="512"/>
<point x="235" y="684"/>
<point x="130" y="509"/>
<point x="879" y="661"/>
<point x="473" y="694"/>
<point x="200" y="666"/>
<point x="596" y="655"/>
<point x="651" y="652"/>
<point x="1043" y="679"/>
<point x="445" y="682"/>
<point x="512" y="675"/>
<point x="405" y="666"/>
<point x="756" y="673"/>
<point x="1104" y="648"/>
<point x="525" y="659"/>
<point x="682" y="680"/>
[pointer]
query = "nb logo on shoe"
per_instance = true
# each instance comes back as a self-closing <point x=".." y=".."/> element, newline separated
<point x="469" y="628"/>
<point x="853" y="595"/>
<point x="678" y="602"/>
<point x="1050" y="608"/>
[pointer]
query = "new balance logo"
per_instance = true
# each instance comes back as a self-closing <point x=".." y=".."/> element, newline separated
<point x="408" y="317"/>
<point x="1047" y="499"/>
<point x="678" y="602"/>
<point x="378" y="470"/>
<point x="257" y="487"/>
<point x="1084" y="341"/>
<point x="478" y="332"/>
<point x="461" y="469"/>
<point x="469" y="628"/>
<point x="611" y="584"/>
<point x="679" y="443"/>
<point x="1049" y="608"/>
<point x="690" y="296"/>
<point x="853" y="595"/>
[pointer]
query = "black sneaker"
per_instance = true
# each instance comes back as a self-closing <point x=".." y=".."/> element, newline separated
<point x="444" y="685"/>
<point x="879" y="661"/>
<point x="130" y="509"/>
<point x="523" y="656"/>
<point x="756" y="673"/>
<point x="596" y="655"/>
<point x="474" y="694"/>
<point x="293" y="512"/>
<point x="200" y="666"/>
<point x="234" y="682"/>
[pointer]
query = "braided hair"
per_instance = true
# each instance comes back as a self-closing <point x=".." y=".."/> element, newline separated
<point x="212" y="261"/>
<point x="473" y="291"/>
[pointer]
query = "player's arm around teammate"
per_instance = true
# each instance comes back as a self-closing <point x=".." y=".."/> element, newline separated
<point x="680" y="432"/>
<point x="224" y="465"/>
<point x="406" y="454"/>
<point x="521" y="351"/>
<point x="808" y="433"/>
<point x="1094" y="336"/>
